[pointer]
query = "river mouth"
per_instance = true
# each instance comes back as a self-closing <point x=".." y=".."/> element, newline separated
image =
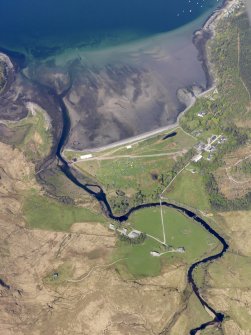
<point x="66" y="89"/>
<point x="125" y="91"/>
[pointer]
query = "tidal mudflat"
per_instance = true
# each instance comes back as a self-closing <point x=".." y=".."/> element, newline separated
<point x="124" y="91"/>
<point x="131" y="80"/>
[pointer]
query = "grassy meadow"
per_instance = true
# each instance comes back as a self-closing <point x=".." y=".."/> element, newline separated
<point x="45" y="213"/>
<point x="181" y="231"/>
<point x="189" y="189"/>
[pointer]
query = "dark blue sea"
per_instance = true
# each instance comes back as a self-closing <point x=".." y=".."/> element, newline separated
<point x="44" y="27"/>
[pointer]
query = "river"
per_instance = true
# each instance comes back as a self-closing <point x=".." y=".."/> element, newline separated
<point x="100" y="196"/>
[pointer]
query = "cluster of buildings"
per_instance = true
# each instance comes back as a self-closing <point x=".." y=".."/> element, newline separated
<point x="133" y="234"/>
<point x="210" y="147"/>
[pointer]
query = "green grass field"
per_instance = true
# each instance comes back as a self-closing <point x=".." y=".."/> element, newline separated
<point x="158" y="144"/>
<point x="137" y="177"/>
<point x="189" y="189"/>
<point x="181" y="231"/>
<point x="128" y="173"/>
<point x="45" y="213"/>
<point x="137" y="261"/>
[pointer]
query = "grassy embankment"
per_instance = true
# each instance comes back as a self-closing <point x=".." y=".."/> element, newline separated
<point x="151" y="145"/>
<point x="31" y="135"/>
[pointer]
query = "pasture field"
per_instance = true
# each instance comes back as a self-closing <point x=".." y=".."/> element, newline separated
<point x="168" y="141"/>
<point x="189" y="189"/>
<point x="45" y="213"/>
<point x="180" y="231"/>
<point x="136" y="175"/>
<point x="128" y="174"/>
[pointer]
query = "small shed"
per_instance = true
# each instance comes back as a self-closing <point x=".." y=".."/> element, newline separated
<point x="155" y="253"/>
<point x="111" y="226"/>
<point x="86" y="156"/>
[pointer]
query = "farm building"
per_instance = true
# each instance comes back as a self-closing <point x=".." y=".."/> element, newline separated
<point x="134" y="234"/>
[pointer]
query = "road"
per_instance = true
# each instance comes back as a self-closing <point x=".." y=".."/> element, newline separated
<point x="148" y="134"/>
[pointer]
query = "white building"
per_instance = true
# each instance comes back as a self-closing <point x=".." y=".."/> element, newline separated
<point x="197" y="158"/>
<point x="180" y="250"/>
<point x="201" y="114"/>
<point x="134" y="234"/>
<point x="86" y="156"/>
<point x="111" y="226"/>
<point x="155" y="253"/>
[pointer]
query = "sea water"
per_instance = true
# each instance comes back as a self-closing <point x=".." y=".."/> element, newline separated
<point x="42" y="28"/>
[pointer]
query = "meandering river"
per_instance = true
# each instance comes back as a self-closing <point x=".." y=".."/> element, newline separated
<point x="100" y="196"/>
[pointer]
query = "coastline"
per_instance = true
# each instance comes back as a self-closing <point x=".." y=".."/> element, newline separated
<point x="200" y="40"/>
<point x="148" y="134"/>
<point x="206" y="33"/>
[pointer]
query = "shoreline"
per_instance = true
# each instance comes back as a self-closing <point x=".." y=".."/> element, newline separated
<point x="148" y="134"/>
<point x="200" y="40"/>
<point x="206" y="33"/>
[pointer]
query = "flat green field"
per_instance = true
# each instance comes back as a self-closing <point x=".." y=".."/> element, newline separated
<point x="135" y="175"/>
<point x="137" y="261"/>
<point x="181" y="231"/>
<point x="189" y="189"/>
<point x="128" y="174"/>
<point x="45" y="213"/>
<point x="157" y="144"/>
